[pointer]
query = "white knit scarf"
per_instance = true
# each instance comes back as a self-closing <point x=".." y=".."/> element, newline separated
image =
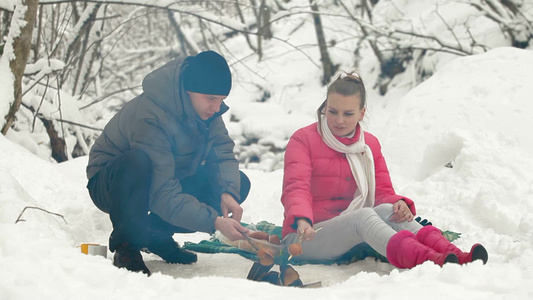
<point x="361" y="163"/>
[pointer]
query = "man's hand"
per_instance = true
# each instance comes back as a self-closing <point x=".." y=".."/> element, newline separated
<point x="230" y="228"/>
<point x="230" y="208"/>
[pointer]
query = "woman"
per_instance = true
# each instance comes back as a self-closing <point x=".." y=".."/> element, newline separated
<point x="336" y="180"/>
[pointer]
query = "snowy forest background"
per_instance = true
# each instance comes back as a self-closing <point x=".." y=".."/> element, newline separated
<point x="72" y="64"/>
<point x="449" y="98"/>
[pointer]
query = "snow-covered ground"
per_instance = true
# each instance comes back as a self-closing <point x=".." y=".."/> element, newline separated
<point x="474" y="115"/>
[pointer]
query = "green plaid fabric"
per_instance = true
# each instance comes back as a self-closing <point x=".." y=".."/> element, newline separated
<point x="213" y="245"/>
<point x="357" y="253"/>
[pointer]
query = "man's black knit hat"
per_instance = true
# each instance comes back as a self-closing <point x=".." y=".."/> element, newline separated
<point x="207" y="73"/>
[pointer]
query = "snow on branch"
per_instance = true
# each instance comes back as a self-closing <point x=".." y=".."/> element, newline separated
<point x="8" y="5"/>
<point x="175" y="6"/>
<point x="44" y="67"/>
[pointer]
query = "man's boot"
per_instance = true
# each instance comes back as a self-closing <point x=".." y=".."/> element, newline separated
<point x="433" y="238"/>
<point x="405" y="251"/>
<point x="170" y="251"/>
<point x="126" y="256"/>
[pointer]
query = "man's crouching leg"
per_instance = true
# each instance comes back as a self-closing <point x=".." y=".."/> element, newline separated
<point x="161" y="242"/>
<point x="122" y="190"/>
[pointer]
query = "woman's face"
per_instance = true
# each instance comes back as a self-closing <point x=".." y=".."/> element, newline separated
<point x="343" y="113"/>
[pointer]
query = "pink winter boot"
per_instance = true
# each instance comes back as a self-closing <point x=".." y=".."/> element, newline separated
<point x="433" y="238"/>
<point x="405" y="251"/>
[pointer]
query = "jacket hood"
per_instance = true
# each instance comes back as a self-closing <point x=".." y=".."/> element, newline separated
<point x="164" y="86"/>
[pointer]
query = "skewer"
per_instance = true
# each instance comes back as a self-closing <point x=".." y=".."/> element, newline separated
<point x="300" y="239"/>
<point x="250" y="241"/>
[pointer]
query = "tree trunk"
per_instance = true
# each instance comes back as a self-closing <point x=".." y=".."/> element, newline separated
<point x="259" y="26"/>
<point x="266" y="30"/>
<point x="21" y="51"/>
<point x="241" y="18"/>
<point x="186" y="47"/>
<point x="77" y="50"/>
<point x="57" y="143"/>
<point x="329" y="68"/>
<point x="6" y="19"/>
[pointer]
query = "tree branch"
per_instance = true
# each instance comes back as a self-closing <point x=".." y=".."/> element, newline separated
<point x="102" y="98"/>
<point x="19" y="219"/>
<point x="197" y="15"/>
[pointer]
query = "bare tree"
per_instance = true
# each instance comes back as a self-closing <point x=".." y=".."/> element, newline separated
<point x="95" y="52"/>
<point x="328" y="67"/>
<point x="510" y="17"/>
<point x="400" y="43"/>
<point x="23" y="20"/>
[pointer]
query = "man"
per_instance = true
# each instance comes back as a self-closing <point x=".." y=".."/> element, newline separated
<point x="164" y="164"/>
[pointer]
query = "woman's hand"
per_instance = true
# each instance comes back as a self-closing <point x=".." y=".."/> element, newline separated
<point x="402" y="212"/>
<point x="306" y="232"/>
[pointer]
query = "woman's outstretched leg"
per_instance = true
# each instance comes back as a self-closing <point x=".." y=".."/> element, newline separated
<point x="433" y="238"/>
<point x="404" y="250"/>
<point x="340" y="234"/>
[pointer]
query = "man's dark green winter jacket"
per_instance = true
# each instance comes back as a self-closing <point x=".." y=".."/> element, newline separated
<point x="162" y="122"/>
